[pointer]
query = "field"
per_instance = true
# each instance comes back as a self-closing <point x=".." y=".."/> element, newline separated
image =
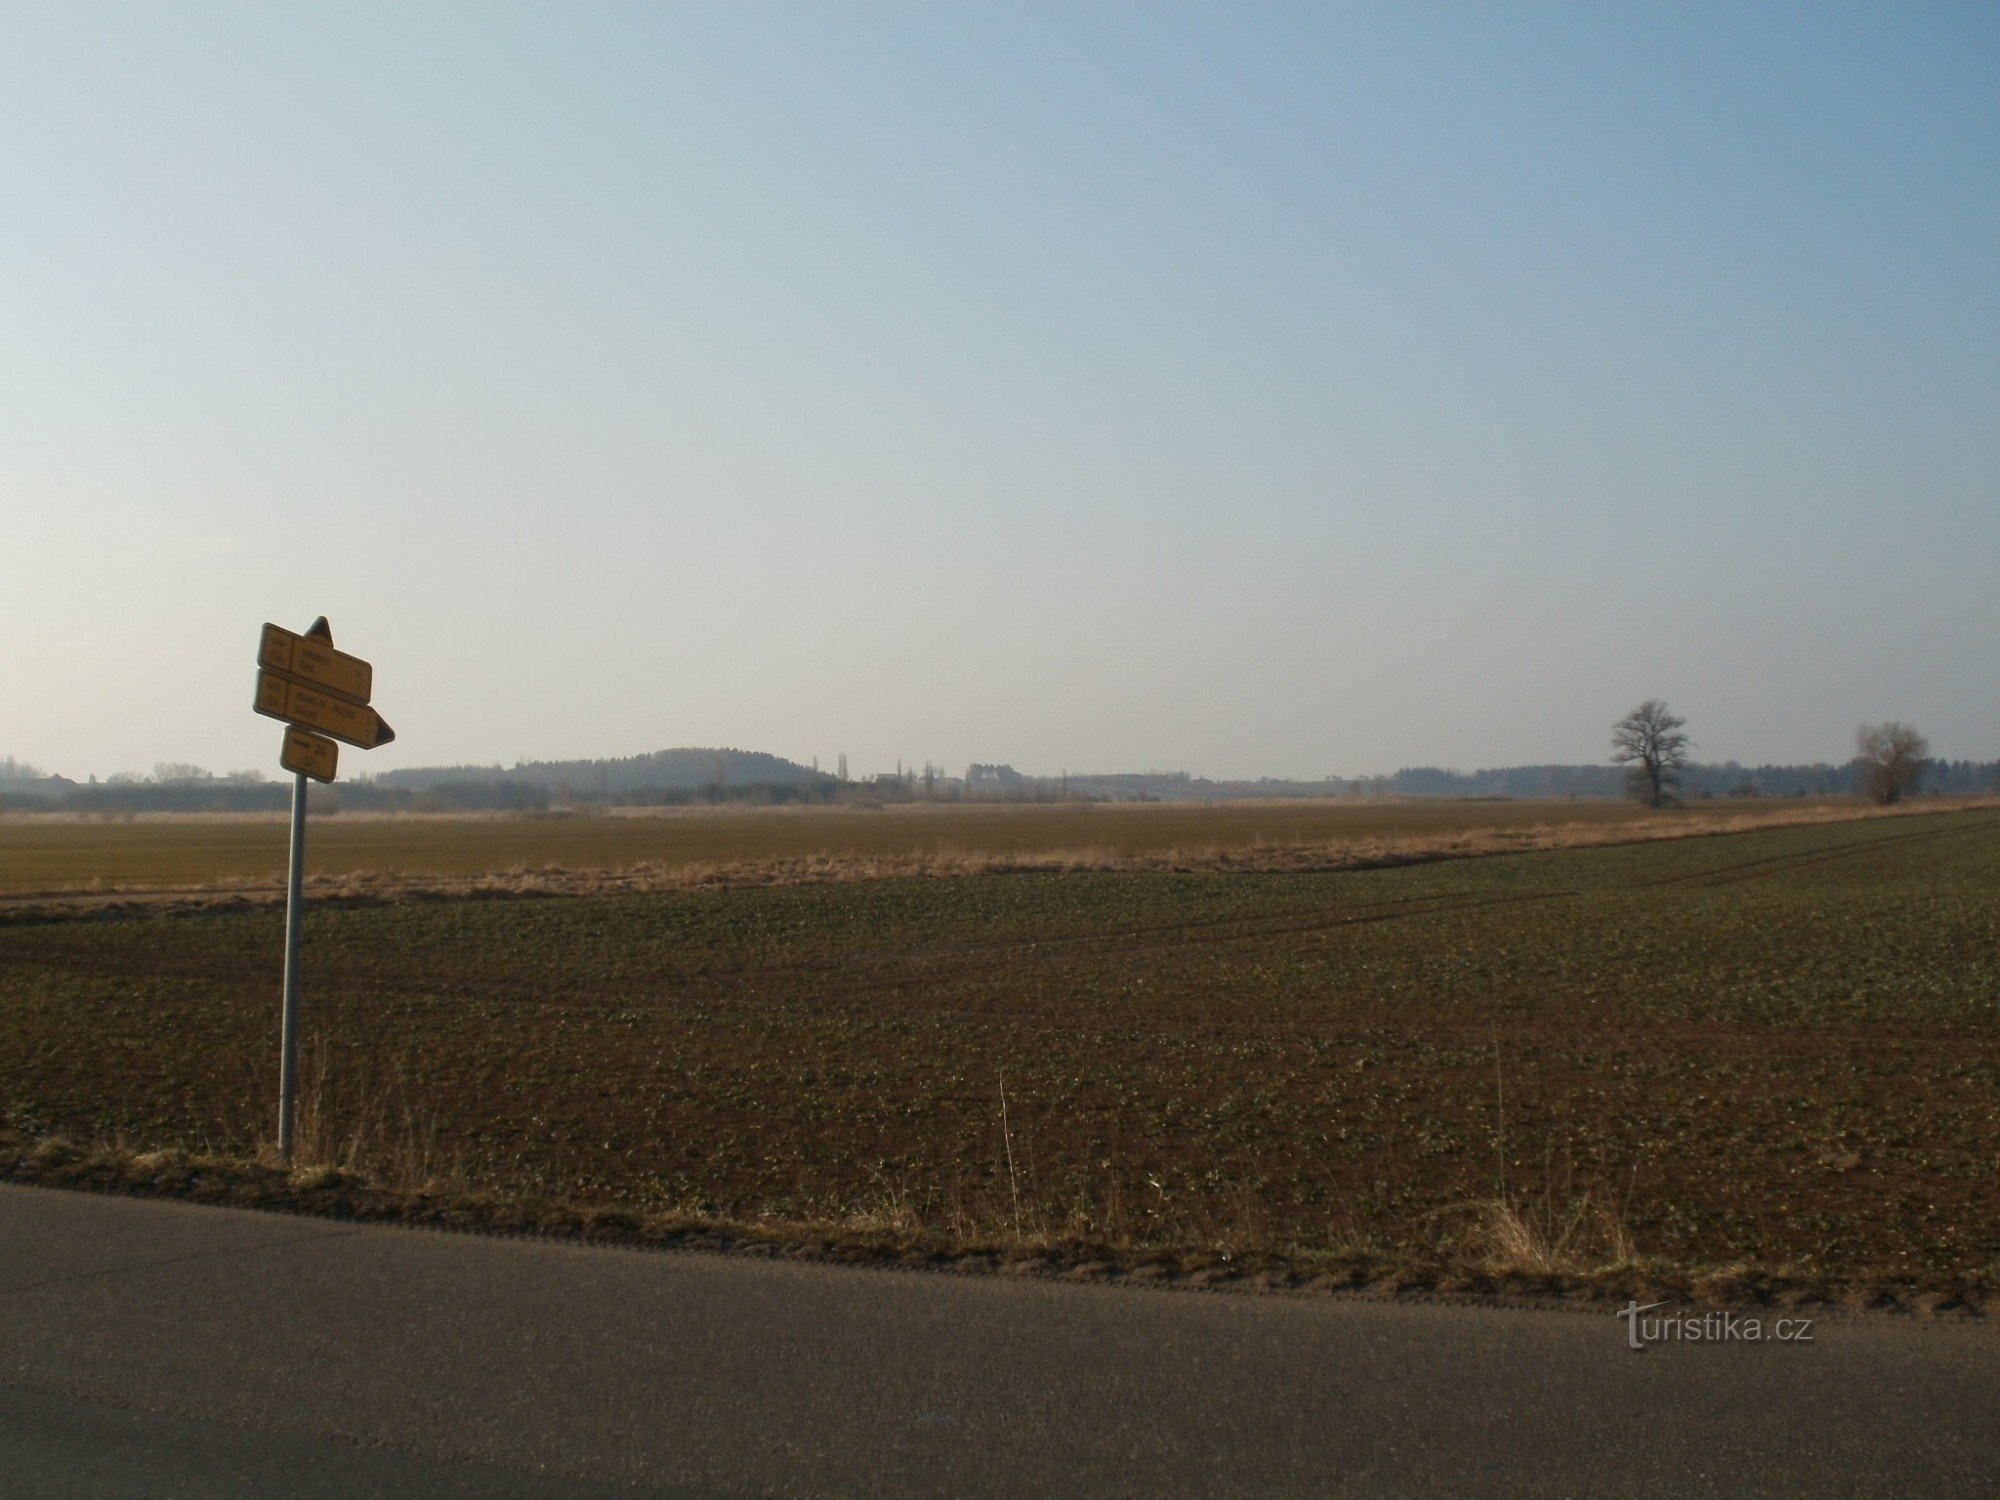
<point x="1777" y="1049"/>
<point x="53" y="853"/>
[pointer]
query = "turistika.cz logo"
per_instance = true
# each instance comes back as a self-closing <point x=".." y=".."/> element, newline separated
<point x="1708" y="1328"/>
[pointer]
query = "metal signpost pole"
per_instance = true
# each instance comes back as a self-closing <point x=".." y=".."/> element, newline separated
<point x="288" y="1062"/>
<point x="304" y="681"/>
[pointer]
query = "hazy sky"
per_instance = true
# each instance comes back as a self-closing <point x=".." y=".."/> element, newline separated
<point x="1249" y="389"/>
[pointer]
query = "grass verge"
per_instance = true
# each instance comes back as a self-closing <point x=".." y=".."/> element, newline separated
<point x="1540" y="1250"/>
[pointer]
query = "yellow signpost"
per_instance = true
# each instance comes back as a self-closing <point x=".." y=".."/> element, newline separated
<point x="310" y="659"/>
<point x="294" y="702"/>
<point x="305" y="682"/>
<point x="309" y="754"/>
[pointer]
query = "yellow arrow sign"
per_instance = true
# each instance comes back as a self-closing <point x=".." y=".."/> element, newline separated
<point x="295" y="703"/>
<point x="314" y="661"/>
<point x="309" y="754"/>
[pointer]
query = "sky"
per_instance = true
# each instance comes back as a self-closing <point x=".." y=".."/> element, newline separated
<point x="1281" y="390"/>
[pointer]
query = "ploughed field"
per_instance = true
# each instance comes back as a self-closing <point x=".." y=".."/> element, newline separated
<point x="1780" y="1047"/>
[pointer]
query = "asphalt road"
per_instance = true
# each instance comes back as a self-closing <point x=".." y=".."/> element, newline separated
<point x="155" y="1349"/>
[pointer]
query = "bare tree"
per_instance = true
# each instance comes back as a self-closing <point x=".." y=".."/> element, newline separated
<point x="1890" y="760"/>
<point x="1650" y="738"/>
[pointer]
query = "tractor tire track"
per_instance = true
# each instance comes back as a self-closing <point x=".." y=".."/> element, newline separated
<point x="1779" y="864"/>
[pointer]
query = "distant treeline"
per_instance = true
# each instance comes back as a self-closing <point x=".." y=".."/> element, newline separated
<point x="1727" y="779"/>
<point x="660" y="771"/>
<point x="218" y="796"/>
<point x="675" y="778"/>
<point x="665" y="778"/>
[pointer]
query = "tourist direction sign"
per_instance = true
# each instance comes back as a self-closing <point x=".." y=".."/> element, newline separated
<point x="311" y="659"/>
<point x="355" y="723"/>
<point x="304" y="681"/>
<point x="309" y="754"/>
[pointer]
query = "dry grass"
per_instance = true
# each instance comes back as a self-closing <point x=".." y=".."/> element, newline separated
<point x="1547" y="1235"/>
<point x="1509" y="1252"/>
<point x="359" y="1129"/>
